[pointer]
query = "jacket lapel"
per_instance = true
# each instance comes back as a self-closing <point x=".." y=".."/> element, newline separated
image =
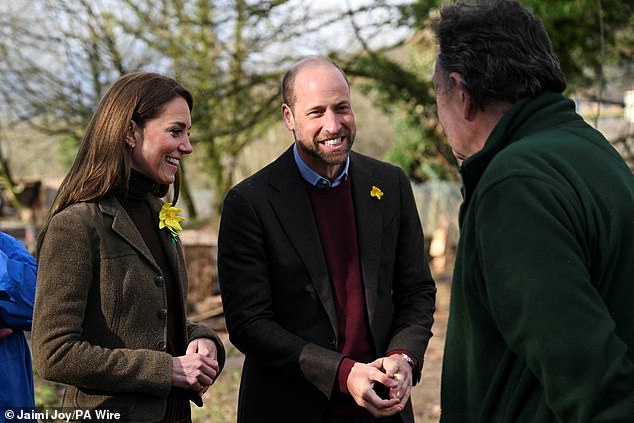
<point x="123" y="226"/>
<point x="290" y="201"/>
<point x="369" y="216"/>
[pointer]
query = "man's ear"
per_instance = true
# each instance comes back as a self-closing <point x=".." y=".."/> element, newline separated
<point x="469" y="111"/>
<point x="289" y="119"/>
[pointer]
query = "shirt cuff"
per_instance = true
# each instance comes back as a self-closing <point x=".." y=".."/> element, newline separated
<point x="342" y="376"/>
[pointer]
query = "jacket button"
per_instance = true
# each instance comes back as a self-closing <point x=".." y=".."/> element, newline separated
<point x="332" y="340"/>
<point x="162" y="314"/>
<point x="159" y="281"/>
<point x="161" y="346"/>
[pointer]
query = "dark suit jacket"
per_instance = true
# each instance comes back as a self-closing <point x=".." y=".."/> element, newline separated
<point x="99" y="323"/>
<point x="277" y="294"/>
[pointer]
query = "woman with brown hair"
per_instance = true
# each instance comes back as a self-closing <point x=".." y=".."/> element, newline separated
<point x="110" y="305"/>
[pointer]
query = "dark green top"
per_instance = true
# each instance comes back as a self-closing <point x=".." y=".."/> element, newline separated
<point x="541" y="325"/>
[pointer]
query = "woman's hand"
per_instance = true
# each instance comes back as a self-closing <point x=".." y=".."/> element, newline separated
<point x="203" y="346"/>
<point x="195" y="370"/>
<point x="198" y="368"/>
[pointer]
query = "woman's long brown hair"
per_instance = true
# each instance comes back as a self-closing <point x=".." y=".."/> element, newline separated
<point x="102" y="164"/>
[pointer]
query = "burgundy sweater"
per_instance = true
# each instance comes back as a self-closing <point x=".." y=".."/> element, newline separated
<point x="336" y="221"/>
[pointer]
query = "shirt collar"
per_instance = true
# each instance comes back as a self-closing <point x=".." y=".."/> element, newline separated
<point x="316" y="179"/>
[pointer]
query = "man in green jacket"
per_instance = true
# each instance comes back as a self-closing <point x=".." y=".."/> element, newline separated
<point x="541" y="325"/>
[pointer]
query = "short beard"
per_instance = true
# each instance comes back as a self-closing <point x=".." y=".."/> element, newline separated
<point x="329" y="160"/>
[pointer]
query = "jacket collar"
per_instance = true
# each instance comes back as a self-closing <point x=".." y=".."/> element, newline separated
<point x="527" y="116"/>
<point x="316" y="179"/>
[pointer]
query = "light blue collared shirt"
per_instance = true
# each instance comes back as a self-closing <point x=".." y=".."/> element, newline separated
<point x="315" y="178"/>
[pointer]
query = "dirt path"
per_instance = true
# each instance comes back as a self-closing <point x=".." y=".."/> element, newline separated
<point x="426" y="395"/>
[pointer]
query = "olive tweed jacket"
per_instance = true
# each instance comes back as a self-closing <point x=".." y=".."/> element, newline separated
<point x="100" y="312"/>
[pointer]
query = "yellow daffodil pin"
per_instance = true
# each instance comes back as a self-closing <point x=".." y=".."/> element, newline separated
<point x="376" y="192"/>
<point x="169" y="218"/>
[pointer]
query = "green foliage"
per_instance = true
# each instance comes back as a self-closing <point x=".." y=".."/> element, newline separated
<point x="68" y="149"/>
<point x="400" y="82"/>
<point x="586" y="34"/>
<point x="415" y="151"/>
<point x="417" y="14"/>
<point x="59" y="57"/>
<point x="47" y="394"/>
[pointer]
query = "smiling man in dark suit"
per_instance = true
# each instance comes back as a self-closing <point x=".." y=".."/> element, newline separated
<point x="322" y="270"/>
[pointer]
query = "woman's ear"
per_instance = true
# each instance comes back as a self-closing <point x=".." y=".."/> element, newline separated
<point x="132" y="135"/>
